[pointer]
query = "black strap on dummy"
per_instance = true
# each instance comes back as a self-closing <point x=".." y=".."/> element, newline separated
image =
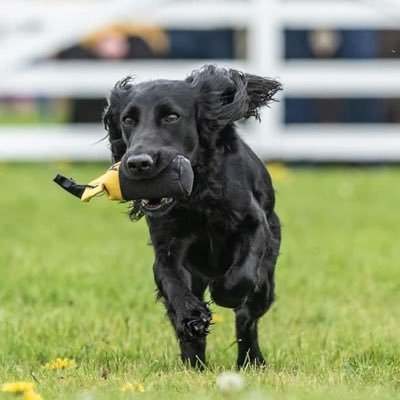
<point x="70" y="185"/>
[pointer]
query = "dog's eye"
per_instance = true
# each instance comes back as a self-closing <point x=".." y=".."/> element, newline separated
<point x="128" y="121"/>
<point x="171" y="117"/>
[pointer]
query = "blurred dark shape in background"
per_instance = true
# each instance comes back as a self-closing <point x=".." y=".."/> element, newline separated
<point x="119" y="42"/>
<point x="342" y="43"/>
<point x="322" y="44"/>
<point x="341" y="110"/>
<point x="131" y="41"/>
<point x="127" y="41"/>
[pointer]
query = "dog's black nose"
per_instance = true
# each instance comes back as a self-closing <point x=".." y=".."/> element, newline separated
<point x="139" y="163"/>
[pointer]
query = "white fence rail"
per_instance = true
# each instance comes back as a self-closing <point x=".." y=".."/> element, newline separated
<point x="264" y="21"/>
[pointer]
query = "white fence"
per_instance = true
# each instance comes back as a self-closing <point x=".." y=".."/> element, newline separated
<point x="62" y="23"/>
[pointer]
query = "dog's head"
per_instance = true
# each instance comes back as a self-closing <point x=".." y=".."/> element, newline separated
<point x="150" y="123"/>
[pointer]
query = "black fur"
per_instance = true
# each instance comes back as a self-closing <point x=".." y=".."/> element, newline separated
<point x="226" y="236"/>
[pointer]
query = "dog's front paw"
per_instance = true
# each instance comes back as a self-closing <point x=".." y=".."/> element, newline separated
<point x="194" y="323"/>
<point x="197" y="325"/>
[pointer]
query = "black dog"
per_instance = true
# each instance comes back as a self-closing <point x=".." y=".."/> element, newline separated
<point x="226" y="235"/>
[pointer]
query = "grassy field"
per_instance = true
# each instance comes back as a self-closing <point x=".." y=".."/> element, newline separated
<point x="76" y="281"/>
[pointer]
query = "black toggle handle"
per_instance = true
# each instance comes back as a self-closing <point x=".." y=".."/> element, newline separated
<point x="70" y="185"/>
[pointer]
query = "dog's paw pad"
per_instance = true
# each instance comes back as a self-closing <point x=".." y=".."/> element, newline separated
<point x="196" y="325"/>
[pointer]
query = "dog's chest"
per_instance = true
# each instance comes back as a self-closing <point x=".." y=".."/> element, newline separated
<point x="210" y="253"/>
<point x="217" y="218"/>
<point x="212" y="233"/>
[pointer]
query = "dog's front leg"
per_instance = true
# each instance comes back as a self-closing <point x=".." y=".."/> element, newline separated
<point x="232" y="289"/>
<point x="189" y="315"/>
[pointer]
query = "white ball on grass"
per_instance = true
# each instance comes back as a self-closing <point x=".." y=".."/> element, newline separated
<point x="230" y="382"/>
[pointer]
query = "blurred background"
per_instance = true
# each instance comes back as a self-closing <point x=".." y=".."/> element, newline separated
<point x="337" y="59"/>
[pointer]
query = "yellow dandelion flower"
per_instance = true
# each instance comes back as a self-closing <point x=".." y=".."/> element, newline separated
<point x="17" y="387"/>
<point x="132" y="387"/>
<point x="217" y="318"/>
<point x="279" y="171"/>
<point x="31" y="395"/>
<point x="60" y="363"/>
<point x="127" y="387"/>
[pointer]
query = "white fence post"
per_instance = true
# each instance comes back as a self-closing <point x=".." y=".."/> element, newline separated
<point x="265" y="54"/>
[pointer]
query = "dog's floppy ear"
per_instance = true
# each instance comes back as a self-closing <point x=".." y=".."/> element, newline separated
<point x="261" y="92"/>
<point x="221" y="95"/>
<point x="111" y="118"/>
<point x="227" y="95"/>
<point x="111" y="124"/>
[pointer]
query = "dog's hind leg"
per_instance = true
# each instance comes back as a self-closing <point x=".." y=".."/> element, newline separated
<point x="233" y="288"/>
<point x="257" y="305"/>
<point x="247" y="317"/>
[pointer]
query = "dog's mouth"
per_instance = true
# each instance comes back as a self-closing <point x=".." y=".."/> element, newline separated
<point x="157" y="206"/>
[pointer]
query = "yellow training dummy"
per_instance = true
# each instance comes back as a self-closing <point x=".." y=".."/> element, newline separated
<point x="175" y="181"/>
<point x="107" y="183"/>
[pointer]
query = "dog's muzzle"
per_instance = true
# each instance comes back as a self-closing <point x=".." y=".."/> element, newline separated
<point x="174" y="181"/>
<point x="158" y="194"/>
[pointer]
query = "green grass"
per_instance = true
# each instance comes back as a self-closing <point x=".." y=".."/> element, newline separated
<point x="76" y="281"/>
